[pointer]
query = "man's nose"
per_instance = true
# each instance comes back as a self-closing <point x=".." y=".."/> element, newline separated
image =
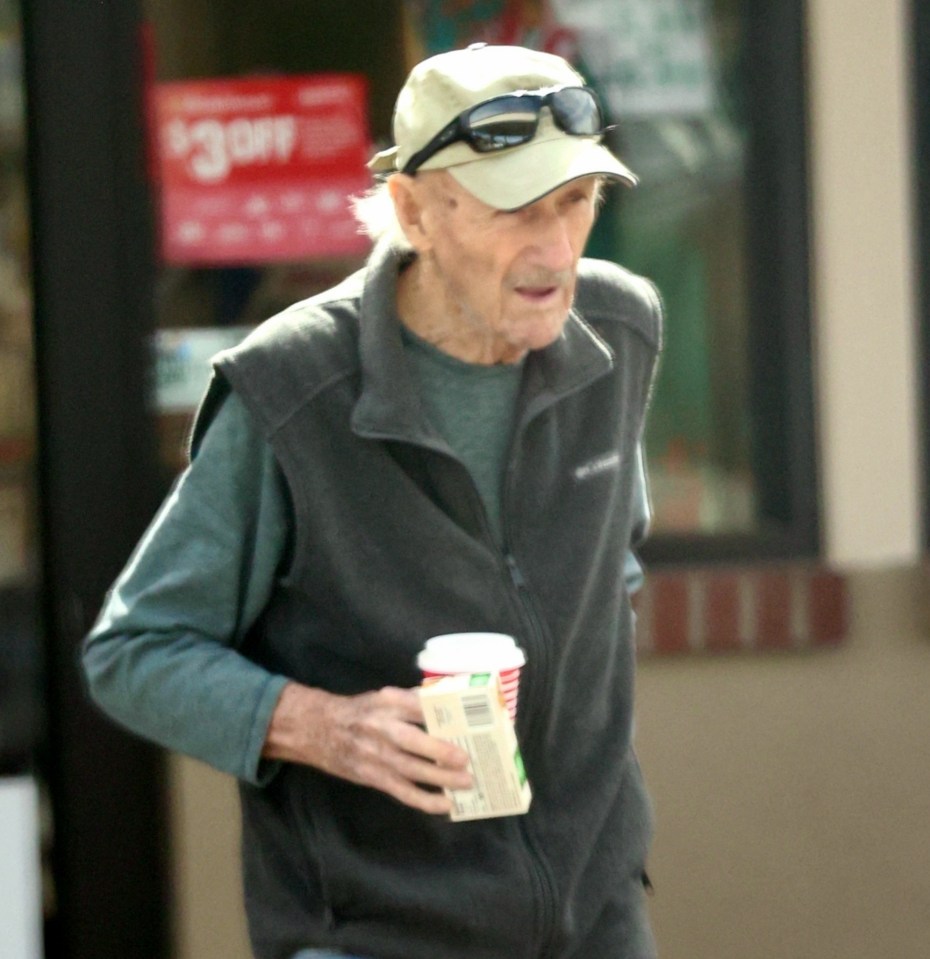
<point x="552" y="240"/>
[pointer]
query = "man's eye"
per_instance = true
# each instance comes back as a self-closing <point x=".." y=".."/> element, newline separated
<point x="579" y="197"/>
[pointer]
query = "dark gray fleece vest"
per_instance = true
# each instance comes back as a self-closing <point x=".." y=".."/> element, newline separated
<point x="390" y="546"/>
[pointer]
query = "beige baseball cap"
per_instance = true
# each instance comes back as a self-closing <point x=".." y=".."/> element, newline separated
<point x="441" y="87"/>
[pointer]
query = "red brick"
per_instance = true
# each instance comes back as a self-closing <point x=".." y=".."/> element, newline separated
<point x="773" y="610"/>
<point x="828" y="608"/>
<point x="669" y="598"/>
<point x="721" y="612"/>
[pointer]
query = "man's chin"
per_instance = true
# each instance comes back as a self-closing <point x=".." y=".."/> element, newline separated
<point x="545" y="334"/>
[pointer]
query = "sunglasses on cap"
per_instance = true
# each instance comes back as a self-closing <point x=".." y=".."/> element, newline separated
<point x="512" y="119"/>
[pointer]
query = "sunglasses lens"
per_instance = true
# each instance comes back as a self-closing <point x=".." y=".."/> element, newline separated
<point x="502" y="122"/>
<point x="577" y="111"/>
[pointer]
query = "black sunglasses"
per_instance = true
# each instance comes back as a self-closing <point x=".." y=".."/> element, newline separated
<point x="513" y="118"/>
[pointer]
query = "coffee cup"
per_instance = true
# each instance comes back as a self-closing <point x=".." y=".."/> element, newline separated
<point x="454" y="653"/>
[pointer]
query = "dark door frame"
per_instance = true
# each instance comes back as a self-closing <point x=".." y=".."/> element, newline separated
<point x="98" y="478"/>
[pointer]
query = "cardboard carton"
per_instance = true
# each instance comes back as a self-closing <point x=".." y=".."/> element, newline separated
<point x="469" y="710"/>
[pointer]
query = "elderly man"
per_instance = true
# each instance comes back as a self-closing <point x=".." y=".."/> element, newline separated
<point x="446" y="441"/>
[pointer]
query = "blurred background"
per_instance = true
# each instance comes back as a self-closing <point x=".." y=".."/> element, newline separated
<point x="172" y="173"/>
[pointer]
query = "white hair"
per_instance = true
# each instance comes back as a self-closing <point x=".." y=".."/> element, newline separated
<point x="377" y="217"/>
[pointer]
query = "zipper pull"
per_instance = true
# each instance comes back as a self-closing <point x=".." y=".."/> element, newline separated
<point x="515" y="573"/>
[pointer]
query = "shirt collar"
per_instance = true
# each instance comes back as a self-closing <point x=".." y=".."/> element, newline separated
<point x="389" y="406"/>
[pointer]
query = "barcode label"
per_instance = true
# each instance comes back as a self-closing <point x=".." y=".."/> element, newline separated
<point x="477" y="711"/>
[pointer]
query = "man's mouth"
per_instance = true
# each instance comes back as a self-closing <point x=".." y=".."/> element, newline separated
<point x="537" y="293"/>
<point x="541" y="286"/>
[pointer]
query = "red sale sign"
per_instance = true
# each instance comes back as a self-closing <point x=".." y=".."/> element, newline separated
<point x="259" y="169"/>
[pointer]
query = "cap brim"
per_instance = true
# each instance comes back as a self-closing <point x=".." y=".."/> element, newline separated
<point x="384" y="162"/>
<point x="523" y="175"/>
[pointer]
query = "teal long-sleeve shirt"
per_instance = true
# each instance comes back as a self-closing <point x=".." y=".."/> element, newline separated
<point x="163" y="657"/>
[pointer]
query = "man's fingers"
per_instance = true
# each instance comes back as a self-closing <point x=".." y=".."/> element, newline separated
<point x="407" y="779"/>
<point x="434" y="803"/>
<point x="405" y="751"/>
<point x="393" y="716"/>
<point x="413" y="740"/>
<point x="374" y="739"/>
<point x="419" y="770"/>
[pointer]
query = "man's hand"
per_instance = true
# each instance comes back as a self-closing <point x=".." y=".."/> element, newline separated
<point x="372" y="739"/>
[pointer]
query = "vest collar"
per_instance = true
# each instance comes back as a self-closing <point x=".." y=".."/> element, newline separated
<point x="389" y="405"/>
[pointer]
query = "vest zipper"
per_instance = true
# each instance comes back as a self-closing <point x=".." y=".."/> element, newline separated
<point x="539" y="866"/>
<point x="527" y="606"/>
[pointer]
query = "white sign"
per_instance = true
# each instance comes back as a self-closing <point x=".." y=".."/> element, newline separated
<point x="182" y="363"/>
<point x="646" y="57"/>
<point x="20" y="877"/>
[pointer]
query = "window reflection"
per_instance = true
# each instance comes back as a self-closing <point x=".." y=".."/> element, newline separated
<point x="669" y="73"/>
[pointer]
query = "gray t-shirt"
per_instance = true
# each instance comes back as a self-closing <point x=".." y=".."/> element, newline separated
<point x="473" y="408"/>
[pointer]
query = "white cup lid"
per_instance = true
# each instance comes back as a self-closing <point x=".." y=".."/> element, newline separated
<point x="470" y="653"/>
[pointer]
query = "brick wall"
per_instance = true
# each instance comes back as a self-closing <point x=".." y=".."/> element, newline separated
<point x="741" y="609"/>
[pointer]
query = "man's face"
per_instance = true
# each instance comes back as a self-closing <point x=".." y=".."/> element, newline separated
<point x="504" y="280"/>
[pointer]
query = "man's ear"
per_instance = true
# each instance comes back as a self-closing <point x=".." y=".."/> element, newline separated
<point x="409" y="198"/>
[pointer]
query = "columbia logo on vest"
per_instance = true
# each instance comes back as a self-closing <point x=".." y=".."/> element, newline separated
<point x="600" y="464"/>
